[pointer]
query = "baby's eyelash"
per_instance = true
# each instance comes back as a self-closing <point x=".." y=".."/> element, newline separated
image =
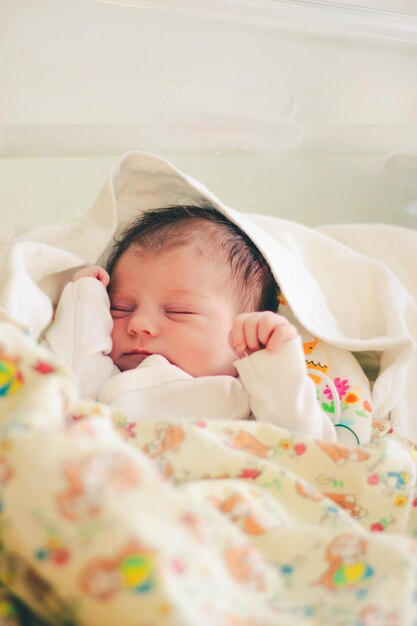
<point x="179" y="312"/>
<point x="117" y="311"/>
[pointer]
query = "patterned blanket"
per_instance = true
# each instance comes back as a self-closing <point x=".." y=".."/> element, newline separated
<point x="176" y="523"/>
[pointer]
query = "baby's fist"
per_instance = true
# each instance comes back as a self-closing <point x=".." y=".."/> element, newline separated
<point x="92" y="271"/>
<point x="260" y="330"/>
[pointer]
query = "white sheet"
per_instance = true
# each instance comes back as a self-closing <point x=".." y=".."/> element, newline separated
<point x="344" y="297"/>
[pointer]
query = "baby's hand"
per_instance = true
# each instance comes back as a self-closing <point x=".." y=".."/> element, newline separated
<point x="92" y="271"/>
<point x="262" y="329"/>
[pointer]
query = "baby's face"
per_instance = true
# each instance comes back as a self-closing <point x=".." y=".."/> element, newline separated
<point x="176" y="303"/>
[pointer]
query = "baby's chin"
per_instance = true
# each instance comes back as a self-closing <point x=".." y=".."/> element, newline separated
<point x="128" y="362"/>
<point x="132" y="360"/>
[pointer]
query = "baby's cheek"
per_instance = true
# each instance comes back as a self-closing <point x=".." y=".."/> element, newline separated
<point x="190" y="357"/>
<point x="117" y="331"/>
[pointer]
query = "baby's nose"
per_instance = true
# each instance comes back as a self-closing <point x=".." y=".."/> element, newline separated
<point x="142" y="323"/>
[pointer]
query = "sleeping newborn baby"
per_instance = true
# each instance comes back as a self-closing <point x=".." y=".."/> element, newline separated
<point x="184" y="323"/>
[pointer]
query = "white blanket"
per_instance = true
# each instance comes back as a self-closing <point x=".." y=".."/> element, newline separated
<point x="340" y="282"/>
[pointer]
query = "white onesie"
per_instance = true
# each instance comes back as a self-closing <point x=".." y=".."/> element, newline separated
<point x="271" y="387"/>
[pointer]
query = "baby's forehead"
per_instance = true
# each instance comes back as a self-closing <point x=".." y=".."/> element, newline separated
<point x="179" y="266"/>
<point x="200" y="249"/>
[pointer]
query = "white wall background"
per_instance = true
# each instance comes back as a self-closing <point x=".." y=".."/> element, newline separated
<point x="300" y="111"/>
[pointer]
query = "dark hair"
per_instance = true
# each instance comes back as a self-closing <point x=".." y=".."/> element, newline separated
<point x="164" y="228"/>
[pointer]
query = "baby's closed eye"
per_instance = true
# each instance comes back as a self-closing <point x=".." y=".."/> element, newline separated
<point x="179" y="311"/>
<point x="120" y="311"/>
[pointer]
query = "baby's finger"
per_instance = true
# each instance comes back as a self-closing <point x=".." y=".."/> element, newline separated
<point x="80" y="274"/>
<point x="103" y="276"/>
<point x="268" y="322"/>
<point x="237" y="336"/>
<point x="250" y="330"/>
<point x="281" y="334"/>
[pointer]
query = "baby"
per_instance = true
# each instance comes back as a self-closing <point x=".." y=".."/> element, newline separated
<point x="184" y="323"/>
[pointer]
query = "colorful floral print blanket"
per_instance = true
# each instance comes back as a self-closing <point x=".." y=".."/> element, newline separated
<point x="176" y="523"/>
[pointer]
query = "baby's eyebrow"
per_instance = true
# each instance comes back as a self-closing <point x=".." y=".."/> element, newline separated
<point x="115" y="292"/>
<point x="114" y="287"/>
<point x="187" y="292"/>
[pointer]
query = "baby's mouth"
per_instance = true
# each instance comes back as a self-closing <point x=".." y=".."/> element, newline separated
<point x="137" y="356"/>
<point x="133" y="358"/>
<point x="138" y="352"/>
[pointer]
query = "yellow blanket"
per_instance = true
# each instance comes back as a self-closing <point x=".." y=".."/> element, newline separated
<point x="167" y="523"/>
